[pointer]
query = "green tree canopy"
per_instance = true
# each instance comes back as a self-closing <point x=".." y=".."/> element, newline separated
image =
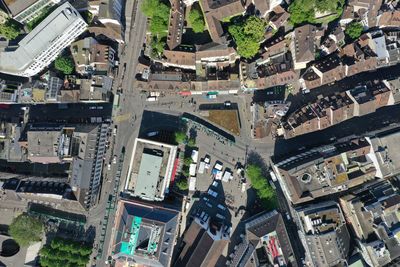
<point x="157" y="46"/>
<point x="196" y="20"/>
<point x="354" y="30"/>
<point x="305" y="10"/>
<point x="64" y="64"/>
<point x="264" y="191"/>
<point x="26" y="230"/>
<point x="64" y="252"/>
<point x="192" y="142"/>
<point x="248" y="35"/>
<point x="10" y="29"/>
<point x="182" y="184"/>
<point x="180" y="137"/>
<point x="159" y="14"/>
<point x="187" y="161"/>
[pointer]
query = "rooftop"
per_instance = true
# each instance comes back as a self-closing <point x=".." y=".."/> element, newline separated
<point x="39" y="187"/>
<point x="265" y="231"/>
<point x="326" y="170"/>
<point x="150" y="169"/>
<point x="39" y="39"/>
<point x="17" y="6"/>
<point x="304" y="43"/>
<point x="203" y="244"/>
<point x="144" y="233"/>
<point x="149" y="173"/>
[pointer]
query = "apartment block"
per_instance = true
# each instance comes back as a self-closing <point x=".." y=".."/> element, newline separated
<point x="43" y="44"/>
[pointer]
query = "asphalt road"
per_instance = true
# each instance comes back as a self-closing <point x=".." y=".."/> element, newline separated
<point x="130" y="105"/>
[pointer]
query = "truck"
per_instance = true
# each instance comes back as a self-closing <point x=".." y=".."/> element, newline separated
<point x="218" y="166"/>
<point x="192" y="169"/>
<point x="202" y="166"/>
<point x="116" y="101"/>
<point x="227" y="176"/>
<point x="151" y="98"/>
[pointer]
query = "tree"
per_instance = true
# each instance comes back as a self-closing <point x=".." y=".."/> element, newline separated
<point x="187" y="161"/>
<point x="64" y="252"/>
<point x="196" y="20"/>
<point x="26" y="230"/>
<point x="10" y="29"/>
<point x="180" y="137"/>
<point x="265" y="192"/>
<point x="248" y="35"/>
<point x="304" y="10"/>
<point x="159" y="25"/>
<point x="64" y="64"/>
<point x="159" y="14"/>
<point x="182" y="184"/>
<point x="354" y="30"/>
<point x="191" y="142"/>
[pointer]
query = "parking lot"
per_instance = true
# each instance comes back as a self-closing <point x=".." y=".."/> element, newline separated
<point x="223" y="200"/>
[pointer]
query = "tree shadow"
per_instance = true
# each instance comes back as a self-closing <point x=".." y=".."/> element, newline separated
<point x="254" y="158"/>
<point x="192" y="133"/>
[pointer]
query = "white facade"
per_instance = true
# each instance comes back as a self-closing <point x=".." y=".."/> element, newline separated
<point x="43" y="44"/>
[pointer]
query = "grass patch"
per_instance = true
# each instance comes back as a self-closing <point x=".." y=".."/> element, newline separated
<point x="227" y="119"/>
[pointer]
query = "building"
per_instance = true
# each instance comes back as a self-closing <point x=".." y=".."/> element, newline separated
<point x="202" y="244"/>
<point x="368" y="100"/>
<point x="176" y="22"/>
<point x="43" y="44"/>
<point x="215" y="12"/>
<point x="324" y="234"/>
<point x="151" y="168"/>
<point x="144" y="234"/>
<point x="372" y="214"/>
<point x="47" y="143"/>
<point x="91" y="57"/>
<point x="385" y="146"/>
<point x="24" y="11"/>
<point x="265" y="7"/>
<point x="109" y="18"/>
<point x="366" y="11"/>
<point x="179" y="59"/>
<point x="303" y="45"/>
<point x="326" y="170"/>
<point x="328" y="70"/>
<point x="333" y="109"/>
<point x="88" y="148"/>
<point x="390" y="19"/>
<point x="38" y="190"/>
<point x="265" y="242"/>
<point x="96" y="89"/>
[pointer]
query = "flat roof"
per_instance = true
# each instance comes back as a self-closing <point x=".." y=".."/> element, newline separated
<point x="39" y="39"/>
<point x="149" y="173"/>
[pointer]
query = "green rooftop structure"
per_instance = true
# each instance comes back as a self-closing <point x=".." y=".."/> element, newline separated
<point x="144" y="234"/>
<point x="129" y="247"/>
